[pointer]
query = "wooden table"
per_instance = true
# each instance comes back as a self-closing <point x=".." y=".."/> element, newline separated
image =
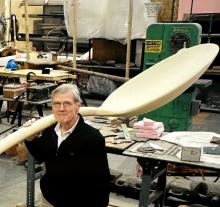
<point x="106" y="130"/>
<point x="55" y="75"/>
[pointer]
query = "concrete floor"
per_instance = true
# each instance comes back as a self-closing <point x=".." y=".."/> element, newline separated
<point x="13" y="176"/>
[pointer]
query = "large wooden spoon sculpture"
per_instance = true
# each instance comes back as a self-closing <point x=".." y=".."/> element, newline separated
<point x="145" y="92"/>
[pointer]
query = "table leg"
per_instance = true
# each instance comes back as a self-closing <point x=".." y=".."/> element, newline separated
<point x="39" y="110"/>
<point x="19" y="111"/>
<point x="152" y="169"/>
<point x="30" y="181"/>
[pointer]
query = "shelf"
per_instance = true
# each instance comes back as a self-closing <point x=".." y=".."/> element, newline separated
<point x="56" y="15"/>
<point x="43" y="3"/>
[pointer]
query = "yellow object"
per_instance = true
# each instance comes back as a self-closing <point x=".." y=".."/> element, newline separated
<point x="145" y="92"/>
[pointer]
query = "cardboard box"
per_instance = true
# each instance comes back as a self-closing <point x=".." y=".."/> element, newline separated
<point x="12" y="90"/>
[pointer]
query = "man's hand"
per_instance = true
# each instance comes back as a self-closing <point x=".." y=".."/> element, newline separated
<point x="27" y="124"/>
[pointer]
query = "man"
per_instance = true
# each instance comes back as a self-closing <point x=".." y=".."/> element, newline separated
<point x="77" y="172"/>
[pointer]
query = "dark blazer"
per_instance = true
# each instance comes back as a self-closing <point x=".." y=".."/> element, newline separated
<point x="77" y="173"/>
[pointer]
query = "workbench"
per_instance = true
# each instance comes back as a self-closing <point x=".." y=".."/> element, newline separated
<point x="55" y="75"/>
<point x="154" y="166"/>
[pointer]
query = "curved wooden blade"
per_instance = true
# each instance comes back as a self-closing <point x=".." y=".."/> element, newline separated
<point x="145" y="92"/>
<point x="25" y="132"/>
<point x="159" y="84"/>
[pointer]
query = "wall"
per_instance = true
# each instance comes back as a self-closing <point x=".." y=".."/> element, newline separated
<point x="199" y="6"/>
<point x="18" y="10"/>
<point x="165" y="12"/>
<point x="2" y="7"/>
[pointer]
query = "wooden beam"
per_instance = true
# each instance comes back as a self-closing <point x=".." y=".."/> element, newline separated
<point x="27" y="33"/>
<point x="74" y="32"/>
<point x="77" y="70"/>
<point x="128" y="53"/>
<point x="7" y="14"/>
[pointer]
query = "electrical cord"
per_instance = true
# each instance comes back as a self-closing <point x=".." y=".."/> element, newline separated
<point x="63" y="45"/>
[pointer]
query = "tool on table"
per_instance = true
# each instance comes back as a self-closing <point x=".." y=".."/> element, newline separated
<point x="116" y="130"/>
<point x="146" y="149"/>
<point x="215" y="140"/>
<point x="140" y="139"/>
<point x="125" y="132"/>
<point x="116" y="139"/>
<point x="156" y="147"/>
<point x="101" y="120"/>
<point x="119" y="136"/>
<point x="212" y="150"/>
<point x="150" y="147"/>
<point x="123" y="137"/>
<point x="110" y="135"/>
<point x="120" y="141"/>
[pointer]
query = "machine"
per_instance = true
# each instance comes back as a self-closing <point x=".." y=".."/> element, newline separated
<point x="165" y="39"/>
<point x="162" y="41"/>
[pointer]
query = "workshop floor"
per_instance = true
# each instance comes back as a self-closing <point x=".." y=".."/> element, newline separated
<point x="13" y="175"/>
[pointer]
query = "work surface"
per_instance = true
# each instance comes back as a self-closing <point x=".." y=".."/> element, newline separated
<point x="154" y="164"/>
<point x="108" y="131"/>
<point x="55" y="75"/>
<point x="169" y="154"/>
<point x="169" y="150"/>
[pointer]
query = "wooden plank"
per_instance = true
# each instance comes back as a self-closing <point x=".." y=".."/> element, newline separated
<point x="8" y="17"/>
<point x="47" y="61"/>
<point x="27" y="31"/>
<point x="55" y="75"/>
<point x="161" y="84"/>
<point x="128" y="53"/>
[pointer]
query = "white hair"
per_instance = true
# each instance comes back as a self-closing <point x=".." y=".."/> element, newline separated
<point x="66" y="88"/>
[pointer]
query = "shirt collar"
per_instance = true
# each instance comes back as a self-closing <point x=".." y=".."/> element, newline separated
<point x="57" y="128"/>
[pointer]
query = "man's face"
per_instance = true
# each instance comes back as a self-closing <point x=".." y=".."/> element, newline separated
<point x="64" y="108"/>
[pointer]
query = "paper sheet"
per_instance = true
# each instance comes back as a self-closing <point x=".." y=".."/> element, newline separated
<point x="188" y="138"/>
<point x="194" y="139"/>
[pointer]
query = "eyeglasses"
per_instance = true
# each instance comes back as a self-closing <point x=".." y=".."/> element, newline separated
<point x="64" y="104"/>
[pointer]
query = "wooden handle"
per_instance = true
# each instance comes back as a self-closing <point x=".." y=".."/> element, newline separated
<point x="129" y="99"/>
<point x="26" y="132"/>
<point x="39" y="125"/>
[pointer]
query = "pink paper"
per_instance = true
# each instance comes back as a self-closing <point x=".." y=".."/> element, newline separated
<point x="157" y="131"/>
<point x="155" y="126"/>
